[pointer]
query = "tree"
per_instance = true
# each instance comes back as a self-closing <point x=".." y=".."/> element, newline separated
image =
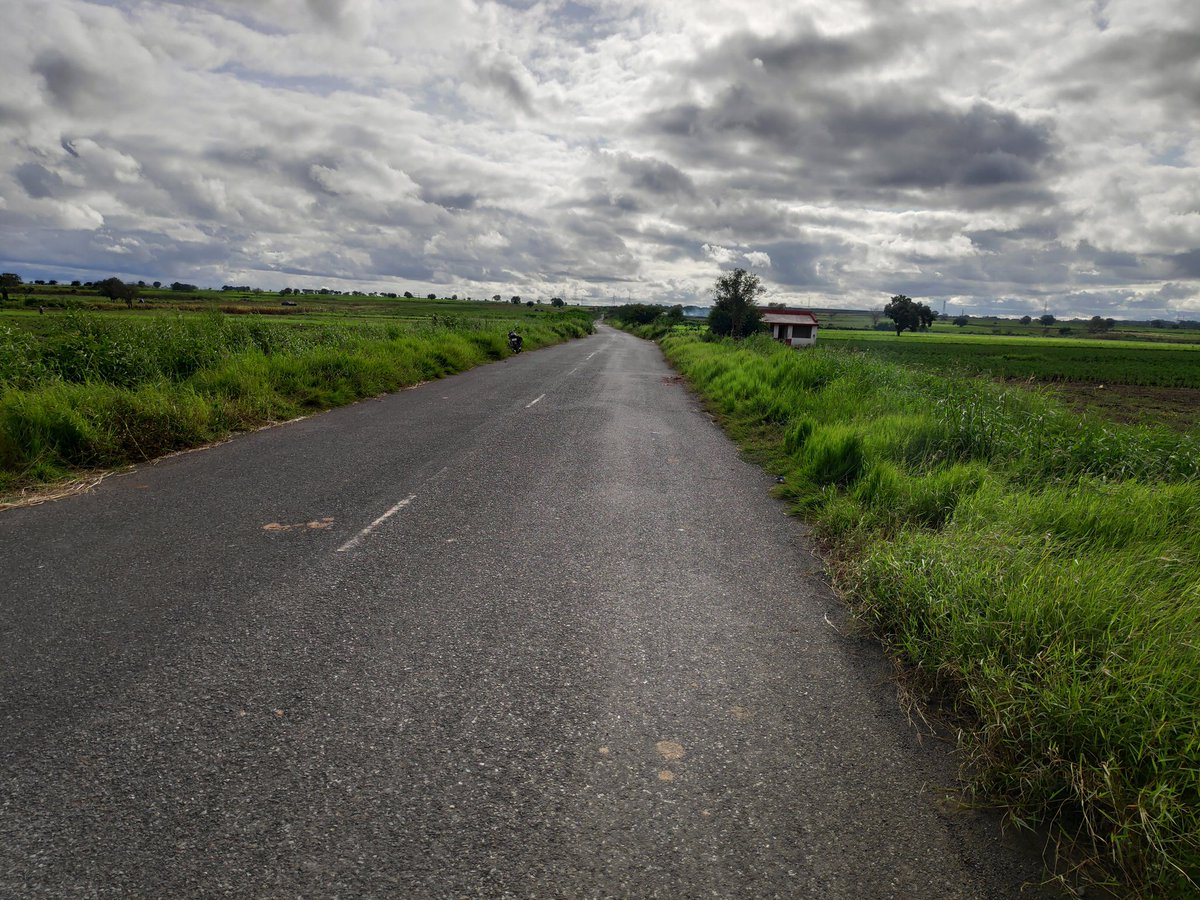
<point x="636" y="313"/>
<point x="8" y="280"/>
<point x="431" y="296"/>
<point x="1097" y="325"/>
<point x="557" y="301"/>
<point x="515" y="300"/>
<point x="960" y="321"/>
<point x="496" y="298"/>
<point x="1025" y="320"/>
<point x="1047" y="320"/>
<point x="408" y="295"/>
<point x="733" y="313"/>
<point x="116" y="289"/>
<point x="908" y="315"/>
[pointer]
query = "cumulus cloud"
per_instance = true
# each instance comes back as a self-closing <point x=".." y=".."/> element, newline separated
<point x="997" y="155"/>
<point x="720" y="255"/>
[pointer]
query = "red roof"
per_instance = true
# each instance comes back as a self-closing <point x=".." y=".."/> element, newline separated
<point x="789" y="317"/>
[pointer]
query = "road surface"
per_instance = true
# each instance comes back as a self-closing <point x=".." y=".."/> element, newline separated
<point x="533" y="630"/>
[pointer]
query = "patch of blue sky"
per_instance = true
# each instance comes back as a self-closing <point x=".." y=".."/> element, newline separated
<point x="1175" y="157"/>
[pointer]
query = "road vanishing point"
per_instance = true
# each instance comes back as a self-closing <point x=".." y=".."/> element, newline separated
<point x="534" y="630"/>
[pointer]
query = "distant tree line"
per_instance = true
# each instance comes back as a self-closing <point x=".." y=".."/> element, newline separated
<point x="646" y="314"/>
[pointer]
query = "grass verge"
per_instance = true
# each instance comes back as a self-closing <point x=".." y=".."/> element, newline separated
<point x="1039" y="569"/>
<point x="96" y="393"/>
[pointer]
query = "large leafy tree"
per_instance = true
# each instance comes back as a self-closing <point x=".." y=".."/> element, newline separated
<point x="908" y="315"/>
<point x="116" y="289"/>
<point x="734" y="313"/>
<point x="9" y="280"/>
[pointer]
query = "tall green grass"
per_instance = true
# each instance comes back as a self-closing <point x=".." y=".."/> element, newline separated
<point x="100" y="392"/>
<point x="1041" y="570"/>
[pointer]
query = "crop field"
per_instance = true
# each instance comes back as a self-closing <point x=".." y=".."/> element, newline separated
<point x="83" y="388"/>
<point x="1123" y="380"/>
<point x="307" y="309"/>
<point x="1039" y="359"/>
<point x="1038" y="569"/>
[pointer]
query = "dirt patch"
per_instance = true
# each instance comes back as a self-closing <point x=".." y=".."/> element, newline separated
<point x="1131" y="404"/>
<point x="671" y="751"/>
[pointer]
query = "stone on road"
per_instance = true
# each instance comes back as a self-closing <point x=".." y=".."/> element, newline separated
<point x="533" y="630"/>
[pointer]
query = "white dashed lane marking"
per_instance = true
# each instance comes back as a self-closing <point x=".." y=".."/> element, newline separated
<point x="353" y="542"/>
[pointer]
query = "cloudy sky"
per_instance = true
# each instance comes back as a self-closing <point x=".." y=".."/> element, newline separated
<point x="1001" y="156"/>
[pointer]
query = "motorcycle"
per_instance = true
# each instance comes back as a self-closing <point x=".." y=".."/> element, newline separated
<point x="515" y="341"/>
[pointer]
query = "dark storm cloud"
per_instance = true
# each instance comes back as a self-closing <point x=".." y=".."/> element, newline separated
<point x="997" y="241"/>
<point x="668" y="245"/>
<point x="794" y="263"/>
<point x="38" y="181"/>
<point x="1161" y="64"/>
<point x="833" y="143"/>
<point x="68" y="82"/>
<point x="393" y="262"/>
<point x="462" y="200"/>
<point x="331" y="12"/>
<point x="802" y="53"/>
<point x="911" y="144"/>
<point x="654" y="176"/>
<point x="1184" y="265"/>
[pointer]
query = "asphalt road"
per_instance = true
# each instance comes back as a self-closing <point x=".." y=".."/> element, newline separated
<point x="533" y="630"/>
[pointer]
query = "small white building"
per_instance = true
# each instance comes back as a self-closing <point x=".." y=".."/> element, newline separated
<point x="795" y="327"/>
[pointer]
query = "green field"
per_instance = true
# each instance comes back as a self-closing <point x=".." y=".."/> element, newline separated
<point x="308" y="308"/>
<point x="1032" y="358"/>
<point x="1037" y="569"/>
<point x="92" y="385"/>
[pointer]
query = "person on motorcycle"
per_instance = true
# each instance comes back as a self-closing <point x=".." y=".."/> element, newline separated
<point x="515" y="341"/>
